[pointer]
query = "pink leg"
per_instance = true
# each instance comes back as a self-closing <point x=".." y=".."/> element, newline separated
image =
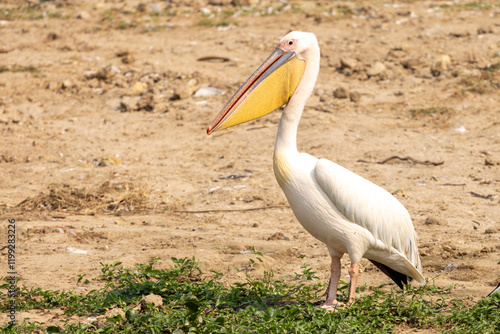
<point x="353" y="273"/>
<point x="331" y="294"/>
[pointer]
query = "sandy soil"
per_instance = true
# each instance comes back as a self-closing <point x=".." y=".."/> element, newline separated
<point x="104" y="146"/>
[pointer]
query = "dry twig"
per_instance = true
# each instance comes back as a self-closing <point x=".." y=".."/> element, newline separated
<point x="408" y="158"/>
<point x="233" y="210"/>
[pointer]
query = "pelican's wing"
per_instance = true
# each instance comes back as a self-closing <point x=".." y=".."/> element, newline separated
<point x="368" y="205"/>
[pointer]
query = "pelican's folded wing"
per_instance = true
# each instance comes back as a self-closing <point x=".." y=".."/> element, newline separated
<point x="369" y="206"/>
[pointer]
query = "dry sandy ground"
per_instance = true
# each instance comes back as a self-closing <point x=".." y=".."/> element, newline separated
<point x="104" y="146"/>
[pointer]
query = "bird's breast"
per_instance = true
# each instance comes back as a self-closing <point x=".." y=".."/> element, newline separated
<point x="282" y="169"/>
<point x="311" y="207"/>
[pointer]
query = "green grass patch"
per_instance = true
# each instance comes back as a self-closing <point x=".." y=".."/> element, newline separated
<point x="488" y="82"/>
<point x="431" y="111"/>
<point x="33" y="12"/>
<point x="194" y="302"/>
<point x="473" y="5"/>
<point x="21" y="68"/>
<point x="216" y="22"/>
<point x="224" y="18"/>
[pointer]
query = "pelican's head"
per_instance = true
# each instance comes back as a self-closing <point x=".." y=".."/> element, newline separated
<point x="272" y="84"/>
<point x="299" y="42"/>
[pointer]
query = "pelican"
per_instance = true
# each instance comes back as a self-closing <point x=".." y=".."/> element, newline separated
<point x="346" y="212"/>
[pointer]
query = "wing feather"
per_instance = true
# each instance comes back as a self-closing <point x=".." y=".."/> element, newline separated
<point x="368" y="205"/>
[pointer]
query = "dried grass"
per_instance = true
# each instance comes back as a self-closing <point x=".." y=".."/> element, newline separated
<point x="107" y="198"/>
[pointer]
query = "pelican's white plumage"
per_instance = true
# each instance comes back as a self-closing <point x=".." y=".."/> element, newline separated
<point x="340" y="208"/>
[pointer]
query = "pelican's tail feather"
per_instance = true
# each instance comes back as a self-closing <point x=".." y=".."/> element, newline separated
<point x="397" y="277"/>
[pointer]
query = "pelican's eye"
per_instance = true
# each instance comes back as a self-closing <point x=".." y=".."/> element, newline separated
<point x="290" y="42"/>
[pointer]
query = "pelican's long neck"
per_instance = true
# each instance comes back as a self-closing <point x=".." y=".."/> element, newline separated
<point x="286" y="139"/>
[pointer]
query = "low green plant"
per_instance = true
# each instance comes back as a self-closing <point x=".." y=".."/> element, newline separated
<point x="197" y="303"/>
<point x="21" y="68"/>
<point x="473" y="5"/>
<point x="431" y="111"/>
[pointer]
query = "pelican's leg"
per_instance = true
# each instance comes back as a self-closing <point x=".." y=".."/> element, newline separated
<point x="331" y="294"/>
<point x="353" y="273"/>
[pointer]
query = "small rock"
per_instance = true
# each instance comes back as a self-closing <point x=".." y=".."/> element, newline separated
<point x="138" y="88"/>
<point x="484" y="30"/>
<point x="129" y="103"/>
<point x="487" y="249"/>
<point x="107" y="72"/>
<point x="90" y="74"/>
<point x="175" y="97"/>
<point x="120" y="81"/>
<point x="459" y="34"/>
<point x="376" y="69"/>
<point x="450" y="267"/>
<point x="243" y="2"/>
<point x="160" y="107"/>
<point x="491" y="230"/>
<point x="278" y="236"/>
<point x="208" y="91"/>
<point x="432" y="221"/>
<point x="126" y="57"/>
<point x="474" y="73"/>
<point x="448" y="248"/>
<point x="350" y="63"/>
<point x="324" y="98"/>
<point x="53" y="85"/>
<point x="83" y="15"/>
<point x="489" y="162"/>
<point x="399" y="193"/>
<point x="347" y="72"/>
<point x="340" y="93"/>
<point x="76" y="251"/>
<point x="400" y="47"/>
<point x="186" y="91"/>
<point x="114" y="312"/>
<point x="461" y="129"/>
<point x="155" y="8"/>
<point x="141" y="8"/>
<point x="146" y="102"/>
<point x="52" y="36"/>
<point x="319" y="92"/>
<point x="156" y="300"/>
<point x="67" y="84"/>
<point x="355" y="96"/>
<point x="5" y="48"/>
<point x="440" y="64"/>
<point x="411" y="63"/>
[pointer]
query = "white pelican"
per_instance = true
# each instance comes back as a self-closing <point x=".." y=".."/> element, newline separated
<point x="343" y="210"/>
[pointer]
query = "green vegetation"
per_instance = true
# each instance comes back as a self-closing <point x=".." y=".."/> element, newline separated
<point x="223" y="18"/>
<point x="21" y="68"/>
<point x="473" y="5"/>
<point x="431" y="111"/>
<point x="31" y="12"/>
<point x="194" y="302"/>
<point x="488" y="82"/>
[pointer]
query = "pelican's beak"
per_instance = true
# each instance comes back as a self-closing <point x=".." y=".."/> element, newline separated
<point x="267" y="89"/>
